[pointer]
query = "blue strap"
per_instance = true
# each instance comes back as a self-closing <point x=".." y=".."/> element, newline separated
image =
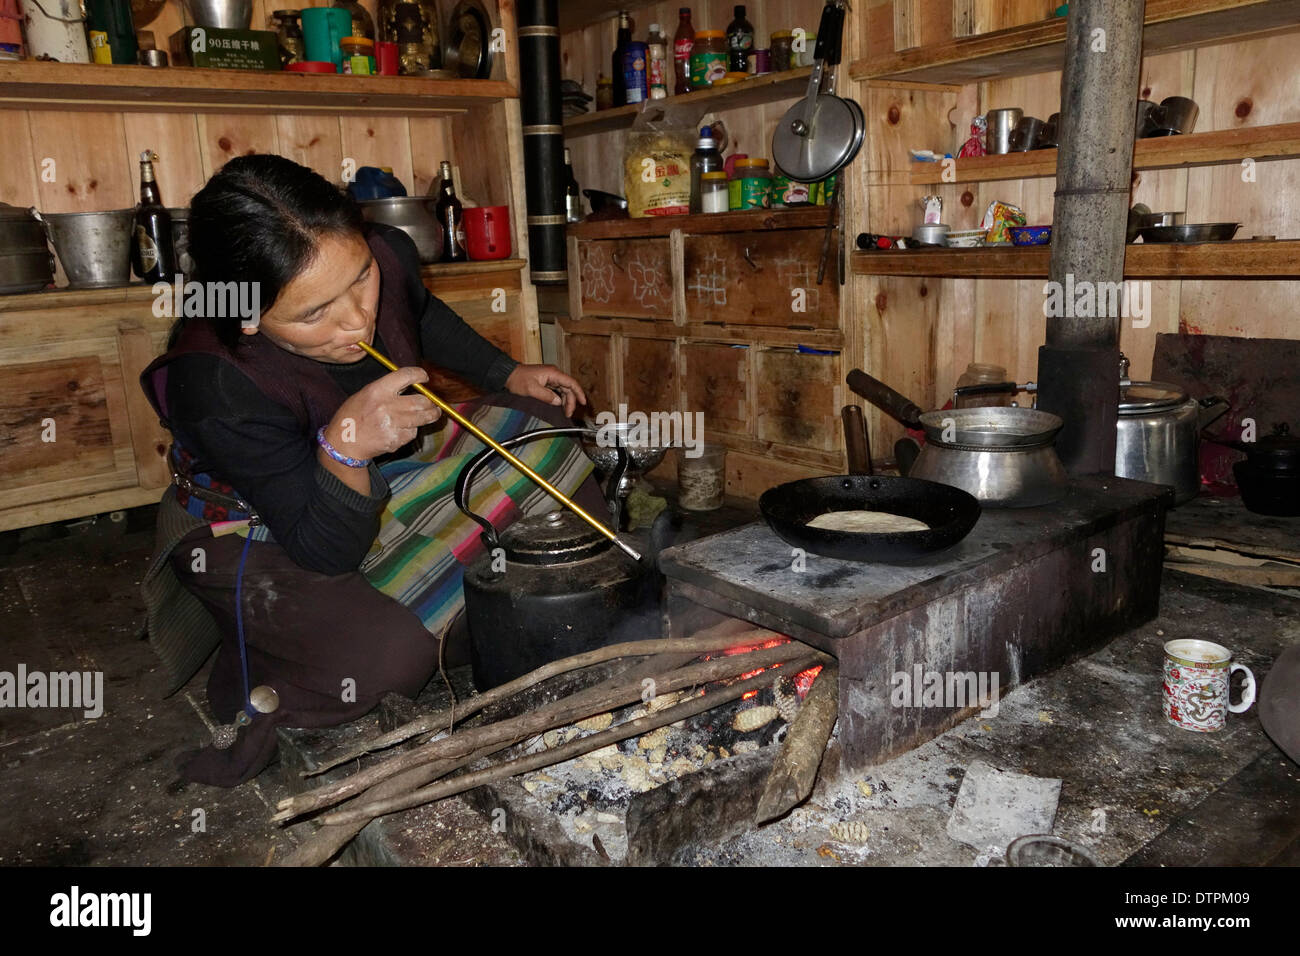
<point x="239" y="623"/>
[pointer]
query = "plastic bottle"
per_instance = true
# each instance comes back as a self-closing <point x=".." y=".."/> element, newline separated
<point x="707" y="158"/>
<point x="657" y="63"/>
<point x="683" y="43"/>
<point x="740" y="41"/>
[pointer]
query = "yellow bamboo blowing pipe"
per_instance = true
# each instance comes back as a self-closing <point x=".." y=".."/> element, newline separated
<point x="482" y="436"/>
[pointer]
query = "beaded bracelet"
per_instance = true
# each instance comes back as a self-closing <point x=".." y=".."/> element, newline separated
<point x="338" y="456"/>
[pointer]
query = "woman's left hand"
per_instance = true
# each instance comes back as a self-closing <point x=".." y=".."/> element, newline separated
<point x="548" y="384"/>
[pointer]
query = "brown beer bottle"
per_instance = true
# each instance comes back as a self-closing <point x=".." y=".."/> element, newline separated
<point x="152" y="253"/>
<point x="450" y="212"/>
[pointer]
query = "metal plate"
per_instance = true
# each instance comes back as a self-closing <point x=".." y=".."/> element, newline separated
<point x="469" y="35"/>
<point x="1199" y="232"/>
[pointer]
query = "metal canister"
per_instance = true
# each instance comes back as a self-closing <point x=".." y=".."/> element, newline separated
<point x="635" y="74"/>
<point x="56" y="31"/>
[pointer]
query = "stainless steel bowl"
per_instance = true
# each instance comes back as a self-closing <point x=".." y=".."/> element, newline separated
<point x="991" y="425"/>
<point x="936" y="234"/>
<point x="221" y="14"/>
<point x="414" y="216"/>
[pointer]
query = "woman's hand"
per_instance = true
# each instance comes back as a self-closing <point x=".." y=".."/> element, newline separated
<point x="379" y="419"/>
<point x="548" y="384"/>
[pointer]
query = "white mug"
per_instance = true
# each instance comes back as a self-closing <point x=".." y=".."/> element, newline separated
<point x="1195" y="690"/>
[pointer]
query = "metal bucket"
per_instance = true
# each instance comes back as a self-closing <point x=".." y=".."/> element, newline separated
<point x="55" y="29"/>
<point x="94" y="247"/>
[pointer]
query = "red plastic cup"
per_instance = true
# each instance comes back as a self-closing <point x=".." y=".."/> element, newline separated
<point x="487" y="232"/>
<point x="386" y="58"/>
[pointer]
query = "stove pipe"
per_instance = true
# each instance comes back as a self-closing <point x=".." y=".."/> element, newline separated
<point x="539" y="104"/>
<point x="1078" y="367"/>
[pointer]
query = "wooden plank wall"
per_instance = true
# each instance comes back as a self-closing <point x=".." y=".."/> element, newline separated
<point x="586" y="54"/>
<point x="919" y="334"/>
<point x="95" y="155"/>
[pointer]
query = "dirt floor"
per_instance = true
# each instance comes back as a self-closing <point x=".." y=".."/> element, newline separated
<point x="82" y="791"/>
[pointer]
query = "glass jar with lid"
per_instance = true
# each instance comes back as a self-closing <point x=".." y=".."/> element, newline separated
<point x="751" y="188"/>
<point x="708" y="58"/>
<point x="714" y="192"/>
<point x="982" y="373"/>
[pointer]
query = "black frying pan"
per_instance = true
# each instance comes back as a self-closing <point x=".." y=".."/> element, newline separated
<point x="950" y="513"/>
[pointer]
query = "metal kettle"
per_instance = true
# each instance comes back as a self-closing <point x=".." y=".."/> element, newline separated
<point x="549" y="586"/>
<point x="1158" y="433"/>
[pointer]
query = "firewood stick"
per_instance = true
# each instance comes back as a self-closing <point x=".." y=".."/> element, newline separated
<point x="575" y="748"/>
<point x="321" y="847"/>
<point x="792" y="776"/>
<point x="595" y="700"/>
<point x="691" y="647"/>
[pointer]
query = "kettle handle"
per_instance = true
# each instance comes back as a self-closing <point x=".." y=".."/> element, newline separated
<point x="490" y="536"/>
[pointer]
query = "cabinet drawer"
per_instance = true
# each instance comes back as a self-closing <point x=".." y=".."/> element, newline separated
<point x="650" y="374"/>
<point x="799" y="399"/>
<point x="626" y="277"/>
<point x="717" y="384"/>
<point x="760" y="278"/>
<point x="589" y="359"/>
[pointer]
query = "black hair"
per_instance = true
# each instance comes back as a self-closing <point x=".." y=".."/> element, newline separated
<point x="259" y="219"/>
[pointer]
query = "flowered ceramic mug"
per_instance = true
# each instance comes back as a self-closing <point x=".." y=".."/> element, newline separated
<point x="1195" y="692"/>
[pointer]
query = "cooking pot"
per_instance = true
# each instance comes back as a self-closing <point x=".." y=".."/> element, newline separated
<point x="25" y="261"/>
<point x="1158" y="431"/>
<point x="1269" y="478"/>
<point x="1003" y="455"/>
<point x="94" y="247"/>
<point x="548" y="587"/>
<point x="414" y="216"/>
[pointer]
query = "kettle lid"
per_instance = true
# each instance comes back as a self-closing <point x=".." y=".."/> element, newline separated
<point x="556" y="537"/>
<point x="1137" y="397"/>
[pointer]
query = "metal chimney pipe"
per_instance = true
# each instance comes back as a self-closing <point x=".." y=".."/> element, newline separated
<point x="540" y="109"/>
<point x="1078" y="367"/>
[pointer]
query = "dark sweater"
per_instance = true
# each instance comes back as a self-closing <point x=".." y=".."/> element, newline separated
<point x="258" y="446"/>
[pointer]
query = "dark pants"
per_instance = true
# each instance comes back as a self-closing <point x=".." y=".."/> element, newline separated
<point x="330" y="647"/>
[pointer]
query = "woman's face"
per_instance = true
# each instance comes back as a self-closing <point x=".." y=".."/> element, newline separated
<point x="328" y="307"/>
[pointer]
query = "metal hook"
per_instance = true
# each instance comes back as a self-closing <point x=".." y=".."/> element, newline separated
<point x="613" y="256"/>
<point x="752" y="264"/>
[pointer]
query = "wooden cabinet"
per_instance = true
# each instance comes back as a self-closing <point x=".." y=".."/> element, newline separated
<point x="744" y="298"/>
<point x="72" y="135"/>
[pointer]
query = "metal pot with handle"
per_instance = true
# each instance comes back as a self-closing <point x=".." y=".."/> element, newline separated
<point x="25" y="261"/>
<point x="1158" y="433"/>
<point x="1003" y="455"/>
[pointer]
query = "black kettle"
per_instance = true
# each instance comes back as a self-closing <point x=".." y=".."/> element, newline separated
<point x="549" y="586"/>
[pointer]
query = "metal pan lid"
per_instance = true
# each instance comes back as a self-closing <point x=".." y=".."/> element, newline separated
<point x="993" y="425"/>
<point x="1138" y="397"/>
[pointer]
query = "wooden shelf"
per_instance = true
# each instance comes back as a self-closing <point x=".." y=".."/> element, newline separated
<point x="757" y="91"/>
<point x="750" y="220"/>
<point x="90" y="86"/>
<point x="1281" y="141"/>
<point x="65" y="298"/>
<point x="1040" y="47"/>
<point x="1240" y="259"/>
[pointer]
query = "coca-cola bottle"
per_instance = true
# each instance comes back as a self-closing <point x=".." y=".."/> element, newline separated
<point x="683" y="44"/>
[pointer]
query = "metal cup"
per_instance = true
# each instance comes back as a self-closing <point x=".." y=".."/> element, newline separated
<point x="1175" y="115"/>
<point x="1050" y="138"/>
<point x="1144" y="124"/>
<point x="1001" y="124"/>
<point x="1026" y="134"/>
